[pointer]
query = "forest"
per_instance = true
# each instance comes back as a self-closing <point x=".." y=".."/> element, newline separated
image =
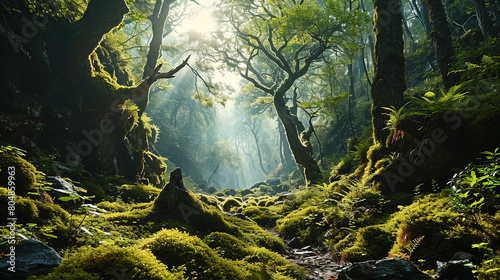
<point x="252" y="140"/>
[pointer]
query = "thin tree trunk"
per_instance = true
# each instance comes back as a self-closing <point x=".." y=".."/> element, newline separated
<point x="254" y="133"/>
<point x="350" y="96"/>
<point x="213" y="173"/>
<point x="441" y="40"/>
<point x="484" y="21"/>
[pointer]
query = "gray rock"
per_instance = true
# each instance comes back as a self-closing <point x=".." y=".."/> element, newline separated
<point x="32" y="257"/>
<point x="387" y="269"/>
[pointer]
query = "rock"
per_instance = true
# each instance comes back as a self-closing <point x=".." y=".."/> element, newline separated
<point x="246" y="192"/>
<point x="466" y="256"/>
<point x="295" y="243"/>
<point x="229" y="192"/>
<point x="454" y="270"/>
<point x="387" y="269"/>
<point x="273" y="182"/>
<point x="32" y="257"/>
<point x="257" y="185"/>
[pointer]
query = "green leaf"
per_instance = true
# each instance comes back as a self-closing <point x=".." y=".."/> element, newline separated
<point x="49" y="235"/>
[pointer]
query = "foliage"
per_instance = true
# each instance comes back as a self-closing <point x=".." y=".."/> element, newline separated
<point x="478" y="185"/>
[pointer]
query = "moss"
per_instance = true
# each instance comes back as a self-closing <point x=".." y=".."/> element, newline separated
<point x="209" y="200"/>
<point x="24" y="174"/>
<point x="117" y="206"/>
<point x="251" y="233"/>
<point x="175" y="248"/>
<point x="370" y="243"/>
<point x="227" y="245"/>
<point x="301" y="223"/>
<point x="261" y="215"/>
<point x="432" y="218"/>
<point x="25" y="208"/>
<point x="111" y="262"/>
<point x="154" y="169"/>
<point x="138" y="193"/>
<point x="230" y="203"/>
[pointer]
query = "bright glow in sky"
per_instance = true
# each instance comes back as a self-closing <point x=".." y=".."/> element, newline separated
<point x="202" y="22"/>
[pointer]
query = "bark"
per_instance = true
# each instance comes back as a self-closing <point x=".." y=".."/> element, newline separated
<point x="286" y="154"/>
<point x="442" y="42"/>
<point x="484" y="20"/>
<point x="158" y="19"/>
<point x="389" y="65"/>
<point x="99" y="18"/>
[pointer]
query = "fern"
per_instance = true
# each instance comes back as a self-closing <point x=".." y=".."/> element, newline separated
<point x="413" y="244"/>
<point x="395" y="115"/>
<point x="447" y="100"/>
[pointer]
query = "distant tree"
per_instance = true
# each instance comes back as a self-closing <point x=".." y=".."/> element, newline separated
<point x="442" y="42"/>
<point x="286" y="39"/>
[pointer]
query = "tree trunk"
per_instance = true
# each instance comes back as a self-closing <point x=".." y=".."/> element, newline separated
<point x="287" y="160"/>
<point x="350" y="96"/>
<point x="389" y="65"/>
<point x="441" y="40"/>
<point x="300" y="145"/>
<point x="484" y="21"/>
<point x="254" y="133"/>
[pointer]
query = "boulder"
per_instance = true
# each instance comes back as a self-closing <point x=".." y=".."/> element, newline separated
<point x="387" y="269"/>
<point x="455" y="269"/>
<point x="245" y="192"/>
<point x="273" y="182"/>
<point x="32" y="257"/>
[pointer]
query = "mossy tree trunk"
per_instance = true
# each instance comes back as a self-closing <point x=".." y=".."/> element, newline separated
<point x="388" y="63"/>
<point x="442" y="42"/>
<point x="95" y="98"/>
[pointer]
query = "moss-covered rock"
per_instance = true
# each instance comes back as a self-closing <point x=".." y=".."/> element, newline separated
<point x="261" y="215"/>
<point x="230" y="203"/>
<point x="138" y="193"/>
<point x="175" y="248"/>
<point x="301" y="224"/>
<point x="433" y="220"/>
<point x="23" y="173"/>
<point x="111" y="262"/>
<point x="227" y="245"/>
<point x="25" y="209"/>
<point x="370" y="243"/>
